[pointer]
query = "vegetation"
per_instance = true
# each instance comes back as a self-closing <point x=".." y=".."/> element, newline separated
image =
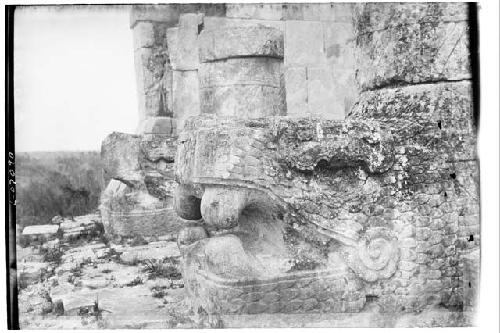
<point x="167" y="268"/>
<point x="56" y="183"/>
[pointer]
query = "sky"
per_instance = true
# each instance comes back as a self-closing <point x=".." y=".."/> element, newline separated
<point x="74" y="79"/>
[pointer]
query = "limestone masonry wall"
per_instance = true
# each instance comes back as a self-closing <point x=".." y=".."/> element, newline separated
<point x="334" y="144"/>
<point x="318" y="69"/>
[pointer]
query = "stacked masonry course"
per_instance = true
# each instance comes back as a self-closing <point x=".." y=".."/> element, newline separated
<point x="401" y="172"/>
<point x="138" y="200"/>
<point x="381" y="207"/>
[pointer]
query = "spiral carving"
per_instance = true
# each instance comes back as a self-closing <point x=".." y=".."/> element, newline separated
<point x="376" y="255"/>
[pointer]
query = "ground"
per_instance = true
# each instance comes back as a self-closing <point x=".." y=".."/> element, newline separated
<point x="136" y="283"/>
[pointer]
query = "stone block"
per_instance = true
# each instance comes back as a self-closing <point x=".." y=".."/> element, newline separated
<point x="322" y="101"/>
<point x="370" y="17"/>
<point x="184" y="54"/>
<point x="143" y="35"/>
<point x="438" y="51"/>
<point x="240" y="42"/>
<point x="186" y="96"/>
<point x="338" y="12"/>
<point x="345" y="90"/>
<point x="243" y="101"/>
<point x="339" y="45"/>
<point x="153" y="82"/>
<point x="149" y="34"/>
<point x="255" y="11"/>
<point x="158" y="125"/>
<point x="154" y="13"/>
<point x="152" y="251"/>
<point x="120" y="157"/>
<point x="296" y="91"/>
<point x="304" y="43"/>
<point x="244" y="71"/>
<point x="172" y="36"/>
<point x="246" y="87"/>
<point x="293" y="11"/>
<point x="42" y="230"/>
<point x="343" y="12"/>
<point x="317" y="11"/>
<point x="214" y="23"/>
<point x="129" y="212"/>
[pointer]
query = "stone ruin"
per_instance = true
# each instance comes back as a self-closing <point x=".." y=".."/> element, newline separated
<point x="319" y="158"/>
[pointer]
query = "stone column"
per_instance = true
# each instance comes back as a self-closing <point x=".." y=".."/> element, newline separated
<point x="413" y="62"/>
<point x="241" y="72"/>
<point x="183" y="45"/>
<point x="153" y="71"/>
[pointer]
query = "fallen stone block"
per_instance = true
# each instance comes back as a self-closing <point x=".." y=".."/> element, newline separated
<point x="120" y="157"/>
<point x="32" y="272"/>
<point x="152" y="251"/>
<point x="39" y="234"/>
<point x="128" y="212"/>
<point x="35" y="300"/>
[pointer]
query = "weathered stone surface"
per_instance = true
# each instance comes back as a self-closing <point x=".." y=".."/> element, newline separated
<point x="32" y="272"/>
<point x="471" y="276"/>
<point x="158" y="125"/>
<point x="447" y="105"/>
<point x="245" y="167"/>
<point x="149" y="34"/>
<point x="129" y="158"/>
<point x="244" y="101"/>
<point x="129" y="212"/>
<point x="183" y="42"/>
<point x="138" y="199"/>
<point x="186" y="204"/>
<point x="438" y="51"/>
<point x="185" y="96"/>
<point x="245" y="71"/>
<point x="296" y="91"/>
<point x="215" y="23"/>
<point x="154" y="13"/>
<point x="338" y="12"/>
<point x="246" y="87"/>
<point x="35" y="300"/>
<point x="120" y="157"/>
<point x="371" y="17"/>
<point x="339" y="45"/>
<point x="46" y="230"/>
<point x="153" y="81"/>
<point x="80" y="227"/>
<point x="303" y="215"/>
<point x="169" y="13"/>
<point x="255" y="11"/>
<point x="156" y="251"/>
<point x="304" y="43"/>
<point x="322" y="100"/>
<point x="239" y="42"/>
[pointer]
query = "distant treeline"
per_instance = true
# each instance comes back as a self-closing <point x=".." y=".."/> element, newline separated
<point x="56" y="183"/>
